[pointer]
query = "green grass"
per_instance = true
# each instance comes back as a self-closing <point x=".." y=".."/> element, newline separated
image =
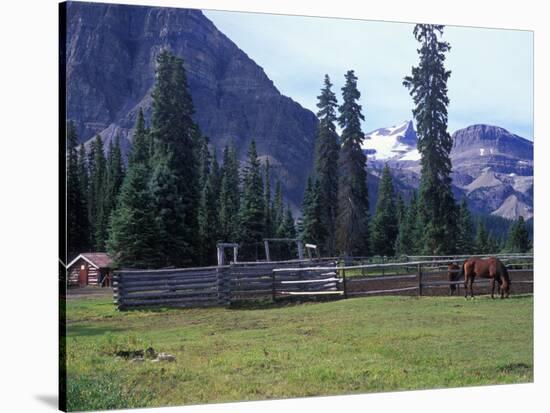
<point x="340" y="347"/>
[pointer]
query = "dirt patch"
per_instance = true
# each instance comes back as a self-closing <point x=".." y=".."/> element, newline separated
<point x="89" y="292"/>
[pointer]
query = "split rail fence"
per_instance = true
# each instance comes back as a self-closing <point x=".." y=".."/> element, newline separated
<point x="223" y="285"/>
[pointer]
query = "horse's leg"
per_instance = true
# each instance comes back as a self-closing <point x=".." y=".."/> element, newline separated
<point x="465" y="287"/>
<point x="472" y="278"/>
<point x="493" y="287"/>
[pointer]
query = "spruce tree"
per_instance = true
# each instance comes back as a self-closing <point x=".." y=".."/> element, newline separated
<point x="384" y="223"/>
<point x="98" y="213"/>
<point x="406" y="242"/>
<point x="465" y="231"/>
<point x="76" y="208"/>
<point x="268" y="217"/>
<point x="278" y="213"/>
<point x="134" y="237"/>
<point x="133" y="232"/>
<point x="175" y="169"/>
<point x="113" y="179"/>
<point x="229" y="201"/>
<point x="141" y="143"/>
<point x="482" y="239"/>
<point x="427" y="85"/>
<point x="288" y="227"/>
<point x="518" y="237"/>
<point x="84" y="181"/>
<point x="209" y="215"/>
<point x="353" y="202"/>
<point x="400" y="208"/>
<point x="252" y="213"/>
<point x="326" y="165"/>
<point x="311" y="228"/>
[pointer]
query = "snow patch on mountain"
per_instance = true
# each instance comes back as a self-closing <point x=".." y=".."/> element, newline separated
<point x="397" y="142"/>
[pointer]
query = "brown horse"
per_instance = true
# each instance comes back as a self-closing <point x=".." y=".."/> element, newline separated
<point x="453" y="275"/>
<point x="491" y="268"/>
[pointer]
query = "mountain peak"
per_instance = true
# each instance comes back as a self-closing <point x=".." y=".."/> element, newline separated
<point x="397" y="142"/>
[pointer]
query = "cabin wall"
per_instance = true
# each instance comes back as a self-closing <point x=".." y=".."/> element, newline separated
<point x="94" y="274"/>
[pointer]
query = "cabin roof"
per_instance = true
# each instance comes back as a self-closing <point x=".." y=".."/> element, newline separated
<point x="96" y="259"/>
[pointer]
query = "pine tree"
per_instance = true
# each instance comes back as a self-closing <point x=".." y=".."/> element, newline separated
<point x="98" y="216"/>
<point x="229" y="201"/>
<point x="384" y="223"/>
<point x="311" y="228"/>
<point x="287" y="229"/>
<point x="400" y="209"/>
<point x="428" y="87"/>
<point x="76" y="208"/>
<point x="482" y="239"/>
<point x="84" y="182"/>
<point x="268" y="218"/>
<point x="465" y="230"/>
<point x="141" y="143"/>
<point x="113" y="178"/>
<point x="252" y="213"/>
<point x="326" y="165"/>
<point x="175" y="178"/>
<point x="408" y="231"/>
<point x="353" y="203"/>
<point x="278" y="213"/>
<point x="133" y="232"/>
<point x="209" y="215"/>
<point x="518" y="237"/>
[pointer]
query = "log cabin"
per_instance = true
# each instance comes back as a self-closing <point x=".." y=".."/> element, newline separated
<point x="90" y="268"/>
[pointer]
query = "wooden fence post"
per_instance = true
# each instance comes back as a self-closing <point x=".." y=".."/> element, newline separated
<point x="419" y="276"/>
<point x="224" y="295"/>
<point x="344" y="283"/>
<point x="273" y="292"/>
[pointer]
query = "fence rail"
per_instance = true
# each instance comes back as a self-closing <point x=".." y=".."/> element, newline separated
<point x="223" y="285"/>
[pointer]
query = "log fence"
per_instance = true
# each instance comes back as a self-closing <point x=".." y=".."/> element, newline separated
<point x="224" y="285"/>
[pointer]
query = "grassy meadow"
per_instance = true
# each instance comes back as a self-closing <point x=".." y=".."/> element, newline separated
<point x="251" y="353"/>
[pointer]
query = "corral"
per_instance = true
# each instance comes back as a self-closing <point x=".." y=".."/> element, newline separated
<point x="313" y="278"/>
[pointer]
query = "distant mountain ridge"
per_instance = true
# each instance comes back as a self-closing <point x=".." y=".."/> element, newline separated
<point x="111" y="52"/>
<point x="492" y="167"/>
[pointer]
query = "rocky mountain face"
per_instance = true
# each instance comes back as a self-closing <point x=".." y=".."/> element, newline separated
<point x="492" y="168"/>
<point x="111" y="52"/>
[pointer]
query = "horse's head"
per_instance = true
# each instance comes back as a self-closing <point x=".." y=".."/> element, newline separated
<point x="453" y="275"/>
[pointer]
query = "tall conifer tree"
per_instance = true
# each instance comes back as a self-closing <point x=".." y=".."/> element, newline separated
<point x="482" y="239"/>
<point x="384" y="223"/>
<point x="427" y="85"/>
<point x="229" y="202"/>
<point x="98" y="173"/>
<point x="175" y="178"/>
<point x="406" y="242"/>
<point x="326" y="164"/>
<point x="353" y="202"/>
<point x="252" y="212"/>
<point x="518" y="237"/>
<point x="268" y="212"/>
<point x="133" y="231"/>
<point x="113" y="179"/>
<point x="141" y="143"/>
<point x="77" y="228"/>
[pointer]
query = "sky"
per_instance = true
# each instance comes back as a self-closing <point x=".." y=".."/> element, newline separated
<point x="491" y="69"/>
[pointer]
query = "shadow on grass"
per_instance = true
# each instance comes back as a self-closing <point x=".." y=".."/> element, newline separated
<point x="279" y="303"/>
<point x="88" y="331"/>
